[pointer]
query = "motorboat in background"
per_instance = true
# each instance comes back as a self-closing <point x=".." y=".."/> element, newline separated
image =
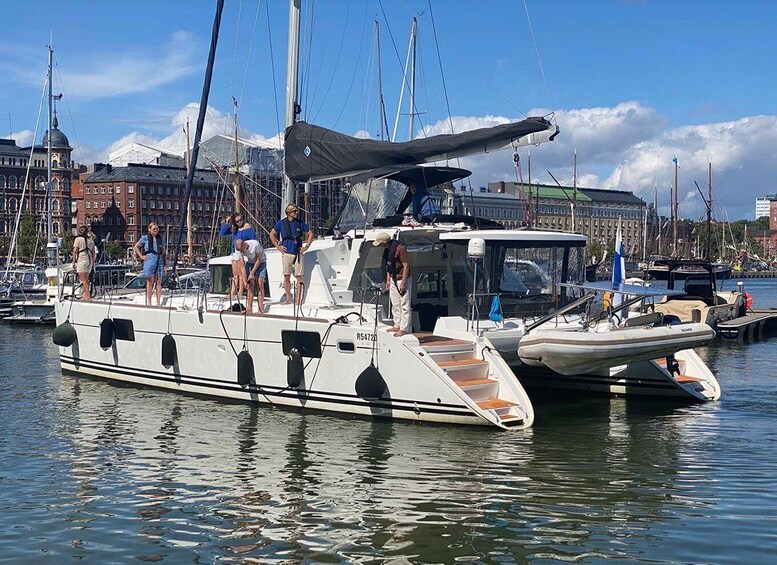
<point x="701" y="301"/>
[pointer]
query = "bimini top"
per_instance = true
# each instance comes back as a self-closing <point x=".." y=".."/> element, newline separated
<point x="420" y="176"/>
<point x="517" y="235"/>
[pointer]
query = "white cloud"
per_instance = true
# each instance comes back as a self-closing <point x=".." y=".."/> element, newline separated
<point x="24" y="138"/>
<point x="111" y="73"/>
<point x="629" y="147"/>
<point x="626" y="147"/>
<point x="216" y="123"/>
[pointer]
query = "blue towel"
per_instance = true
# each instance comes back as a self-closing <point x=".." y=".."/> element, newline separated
<point x="496" y="310"/>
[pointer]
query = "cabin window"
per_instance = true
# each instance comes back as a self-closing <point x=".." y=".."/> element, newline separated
<point x="346" y="347"/>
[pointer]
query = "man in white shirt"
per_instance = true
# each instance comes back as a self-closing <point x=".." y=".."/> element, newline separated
<point x="256" y="271"/>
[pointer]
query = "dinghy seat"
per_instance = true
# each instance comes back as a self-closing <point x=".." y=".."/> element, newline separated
<point x="652" y="319"/>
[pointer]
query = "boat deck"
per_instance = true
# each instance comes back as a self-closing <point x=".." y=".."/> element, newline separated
<point x="749" y="327"/>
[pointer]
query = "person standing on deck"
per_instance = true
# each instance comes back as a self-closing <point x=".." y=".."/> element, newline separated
<point x="398" y="282"/>
<point x="286" y="237"/>
<point x="151" y="250"/>
<point x="236" y="227"/>
<point x="84" y="256"/>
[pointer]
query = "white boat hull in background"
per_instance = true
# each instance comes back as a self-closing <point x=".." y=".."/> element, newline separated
<point x="573" y="351"/>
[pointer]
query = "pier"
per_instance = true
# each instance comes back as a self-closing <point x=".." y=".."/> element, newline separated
<point x="749" y="327"/>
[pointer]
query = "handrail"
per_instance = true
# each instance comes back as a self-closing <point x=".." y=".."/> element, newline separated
<point x="556" y="313"/>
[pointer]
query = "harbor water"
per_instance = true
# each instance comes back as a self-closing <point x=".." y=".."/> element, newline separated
<point x="104" y="473"/>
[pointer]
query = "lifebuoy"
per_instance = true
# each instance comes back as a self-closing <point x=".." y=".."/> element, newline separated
<point x="748" y="301"/>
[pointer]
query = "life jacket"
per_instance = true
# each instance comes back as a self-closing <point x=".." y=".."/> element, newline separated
<point x="295" y="235"/>
<point x="150" y="249"/>
<point x="86" y="245"/>
<point x="390" y="258"/>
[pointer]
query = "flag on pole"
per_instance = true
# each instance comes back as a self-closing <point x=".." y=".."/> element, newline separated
<point x="618" y="265"/>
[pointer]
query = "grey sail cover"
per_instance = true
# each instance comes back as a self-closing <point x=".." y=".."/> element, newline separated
<point x="315" y="153"/>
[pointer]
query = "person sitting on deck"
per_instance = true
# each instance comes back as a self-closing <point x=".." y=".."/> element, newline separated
<point x="424" y="208"/>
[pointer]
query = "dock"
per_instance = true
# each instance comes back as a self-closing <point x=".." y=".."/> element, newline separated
<point x="749" y="327"/>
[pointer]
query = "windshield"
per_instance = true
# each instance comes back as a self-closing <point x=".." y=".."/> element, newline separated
<point x="374" y="198"/>
<point x="526" y="278"/>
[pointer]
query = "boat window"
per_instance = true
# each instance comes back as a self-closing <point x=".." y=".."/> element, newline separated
<point x="219" y="278"/>
<point x="346" y="347"/>
<point x="375" y="198"/>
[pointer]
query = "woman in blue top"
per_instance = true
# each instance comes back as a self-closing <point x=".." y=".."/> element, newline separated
<point x="236" y="227"/>
<point x="151" y="250"/>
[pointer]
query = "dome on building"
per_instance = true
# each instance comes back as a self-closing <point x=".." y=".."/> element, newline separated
<point x="58" y="139"/>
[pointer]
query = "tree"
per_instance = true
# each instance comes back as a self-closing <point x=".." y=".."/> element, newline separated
<point x="225" y="246"/>
<point x="594" y="250"/>
<point x="113" y="249"/>
<point x="27" y="244"/>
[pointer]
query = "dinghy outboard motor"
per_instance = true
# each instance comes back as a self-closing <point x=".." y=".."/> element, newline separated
<point x="245" y="368"/>
<point x="106" y="333"/>
<point x="370" y="384"/>
<point x="169" y="351"/>
<point x="64" y="334"/>
<point x="295" y="368"/>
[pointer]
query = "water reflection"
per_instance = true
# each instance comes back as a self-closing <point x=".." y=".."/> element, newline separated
<point x="254" y="482"/>
<point x="112" y="474"/>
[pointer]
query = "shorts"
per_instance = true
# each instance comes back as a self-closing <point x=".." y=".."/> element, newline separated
<point x="154" y="265"/>
<point x="261" y="272"/>
<point x="288" y="261"/>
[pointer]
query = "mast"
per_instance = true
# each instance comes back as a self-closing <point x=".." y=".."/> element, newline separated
<point x="381" y="101"/>
<point x="48" y="149"/>
<point x="532" y="220"/>
<point x="708" y="247"/>
<point x="292" y="107"/>
<point x="413" y="32"/>
<point x="674" y="212"/>
<point x="214" y="39"/>
<point x="574" y="192"/>
<point x="238" y="195"/>
<point x="189" y="207"/>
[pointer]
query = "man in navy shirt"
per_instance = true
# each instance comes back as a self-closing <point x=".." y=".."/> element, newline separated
<point x="286" y="236"/>
<point x="425" y="209"/>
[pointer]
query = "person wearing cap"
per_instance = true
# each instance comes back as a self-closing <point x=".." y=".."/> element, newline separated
<point x="398" y="282"/>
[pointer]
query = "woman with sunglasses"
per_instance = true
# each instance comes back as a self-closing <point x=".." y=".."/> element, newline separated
<point x="236" y="227"/>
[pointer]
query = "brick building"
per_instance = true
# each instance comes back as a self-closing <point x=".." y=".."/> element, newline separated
<point x="120" y="202"/>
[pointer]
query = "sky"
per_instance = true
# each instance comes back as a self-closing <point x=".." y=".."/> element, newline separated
<point x="631" y="83"/>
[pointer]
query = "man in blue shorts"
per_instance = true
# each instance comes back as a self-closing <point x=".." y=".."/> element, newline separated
<point x="286" y="236"/>
<point x="256" y="271"/>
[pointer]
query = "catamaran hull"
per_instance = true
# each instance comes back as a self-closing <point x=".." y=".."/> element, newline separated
<point x="208" y="344"/>
<point x="694" y="383"/>
<point x="572" y="352"/>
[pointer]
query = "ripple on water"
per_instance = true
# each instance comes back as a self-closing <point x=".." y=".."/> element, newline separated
<point x="107" y="473"/>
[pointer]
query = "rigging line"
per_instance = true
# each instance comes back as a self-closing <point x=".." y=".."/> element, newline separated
<point x="537" y="50"/>
<point x="17" y="220"/>
<point x="234" y="48"/>
<point x="274" y="84"/>
<point x="364" y="110"/>
<point x="250" y="49"/>
<point x="356" y="66"/>
<point x="337" y="62"/>
<point x="69" y="111"/>
<point x="439" y="63"/>
<point x="391" y="35"/>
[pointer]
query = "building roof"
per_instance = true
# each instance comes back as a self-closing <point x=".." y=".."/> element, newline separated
<point x="610" y="196"/>
<point x="9" y="147"/>
<point x="146" y="173"/>
<point x="58" y="139"/>
<point x="557" y="192"/>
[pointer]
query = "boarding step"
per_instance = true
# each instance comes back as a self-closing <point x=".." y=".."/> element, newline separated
<point x="480" y="389"/>
<point x="465" y="369"/>
<point x="662" y="363"/>
<point x="439" y="344"/>
<point x="495" y="404"/>
<point x="338" y="283"/>
<point x="511" y="419"/>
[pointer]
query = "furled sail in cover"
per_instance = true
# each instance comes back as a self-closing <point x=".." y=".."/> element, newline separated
<point x="316" y="153"/>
